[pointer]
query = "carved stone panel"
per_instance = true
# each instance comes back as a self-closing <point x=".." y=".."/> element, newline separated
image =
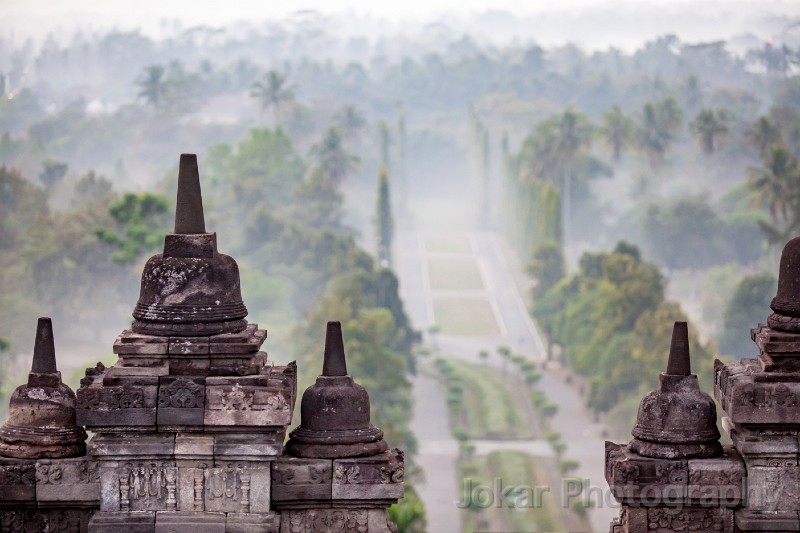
<point x="718" y="481"/>
<point x="227" y="490"/>
<point x="181" y="401"/>
<point x="148" y="486"/>
<point x="76" y="481"/>
<point x="294" y="479"/>
<point x="335" y="521"/>
<point x="378" y="477"/>
<point x="17" y="481"/>
<point x="636" y="479"/>
<point x="247" y="401"/>
<point x="671" y="520"/>
<point x="44" y="520"/>
<point x="124" y="405"/>
<point x="773" y="485"/>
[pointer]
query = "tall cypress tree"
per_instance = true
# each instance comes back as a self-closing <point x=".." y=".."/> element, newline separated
<point x="383" y="219"/>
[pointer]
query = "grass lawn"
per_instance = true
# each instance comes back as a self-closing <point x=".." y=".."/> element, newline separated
<point x="538" y="510"/>
<point x="454" y="274"/>
<point x="486" y="408"/>
<point x="464" y="316"/>
<point x="447" y="243"/>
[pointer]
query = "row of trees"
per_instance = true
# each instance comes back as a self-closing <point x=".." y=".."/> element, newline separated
<point x="612" y="322"/>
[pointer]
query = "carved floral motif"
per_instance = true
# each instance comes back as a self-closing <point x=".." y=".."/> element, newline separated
<point x="124" y="397"/>
<point x="672" y="473"/>
<point x="328" y="521"/>
<point x="18" y="475"/>
<point x="182" y="393"/>
<point x="668" y="520"/>
<point x="237" y="399"/>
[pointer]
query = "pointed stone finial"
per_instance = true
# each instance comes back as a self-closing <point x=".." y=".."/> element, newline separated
<point x="44" y="350"/>
<point x="189" y="217"/>
<point x="334" y="363"/>
<point x="679" y="363"/>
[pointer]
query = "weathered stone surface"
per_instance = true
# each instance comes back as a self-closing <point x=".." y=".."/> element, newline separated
<point x="189" y="522"/>
<point x="379" y="477"/>
<point x="678" y="420"/>
<point x="44" y="520"/>
<point x="191" y="289"/>
<point x="130" y="375"/>
<point x="335" y="411"/>
<point x="129" y="336"/>
<point x="41" y="418"/>
<point x="260" y="400"/>
<point x="251" y="523"/>
<point x="345" y="520"/>
<point x="136" y="348"/>
<point x="671" y="520"/>
<point x="136" y="446"/>
<point x="124" y="406"/>
<point x="248" y="341"/>
<point x="751" y="401"/>
<point x="190" y="489"/>
<point x="746" y="520"/>
<point x="766" y="442"/>
<point x="258" y="447"/>
<point x="295" y="478"/>
<point x="123" y="522"/>
<point x="148" y="486"/>
<point x="74" y="482"/>
<point x="188" y="346"/>
<point x="194" y="450"/>
<point x="109" y="486"/>
<point x="635" y="479"/>
<point x="17" y="481"/>
<point x="773" y="485"/>
<point x="181" y="401"/>
<point x="227" y="489"/>
<point x="189" y="366"/>
<point x="719" y="481"/>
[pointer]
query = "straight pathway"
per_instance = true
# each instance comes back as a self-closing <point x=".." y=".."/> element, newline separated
<point x="518" y="332"/>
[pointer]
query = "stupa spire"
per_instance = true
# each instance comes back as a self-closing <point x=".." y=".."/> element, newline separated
<point x="334" y="362"/>
<point x="189" y="218"/>
<point x="44" y="350"/>
<point x="679" y="363"/>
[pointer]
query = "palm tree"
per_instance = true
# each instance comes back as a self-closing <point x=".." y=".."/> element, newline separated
<point x="777" y="182"/>
<point x="272" y="91"/>
<point x="658" y="125"/>
<point x="333" y="158"/>
<point x="552" y="153"/>
<point x="617" y="130"/>
<point x="762" y="135"/>
<point x="152" y="85"/>
<point x="708" y="126"/>
<point x="350" y="121"/>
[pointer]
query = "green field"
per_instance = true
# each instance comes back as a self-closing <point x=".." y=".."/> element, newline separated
<point x="454" y="274"/>
<point x="455" y="315"/>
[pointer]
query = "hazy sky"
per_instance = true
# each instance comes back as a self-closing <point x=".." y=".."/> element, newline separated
<point x="619" y="20"/>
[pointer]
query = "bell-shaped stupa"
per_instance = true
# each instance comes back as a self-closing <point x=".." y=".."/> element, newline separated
<point x="191" y="289"/>
<point x="41" y="419"/>
<point x="677" y="421"/>
<point x="335" y="411"/>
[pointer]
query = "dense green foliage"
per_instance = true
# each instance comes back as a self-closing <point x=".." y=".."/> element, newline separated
<point x="748" y="306"/>
<point x="614" y="324"/>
